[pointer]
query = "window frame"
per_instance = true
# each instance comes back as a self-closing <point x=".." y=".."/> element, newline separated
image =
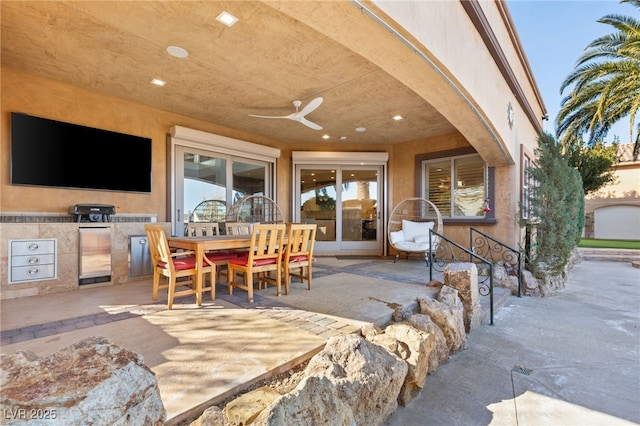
<point x="232" y="150"/>
<point x="527" y="183"/>
<point x="421" y="191"/>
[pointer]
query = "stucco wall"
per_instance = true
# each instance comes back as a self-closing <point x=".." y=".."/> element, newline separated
<point x="49" y="99"/>
<point x="46" y="98"/>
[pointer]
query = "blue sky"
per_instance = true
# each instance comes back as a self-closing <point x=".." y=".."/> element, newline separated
<point x="554" y="35"/>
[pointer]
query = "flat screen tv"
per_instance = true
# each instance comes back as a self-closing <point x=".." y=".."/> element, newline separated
<point x="52" y="153"/>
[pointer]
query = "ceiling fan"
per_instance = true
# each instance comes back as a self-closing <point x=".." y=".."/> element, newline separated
<point x="299" y="116"/>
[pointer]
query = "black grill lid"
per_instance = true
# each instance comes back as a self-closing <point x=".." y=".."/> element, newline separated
<point x="92" y="209"/>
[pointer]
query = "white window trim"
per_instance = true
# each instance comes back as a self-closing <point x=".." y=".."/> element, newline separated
<point x="329" y="157"/>
<point x="223" y="144"/>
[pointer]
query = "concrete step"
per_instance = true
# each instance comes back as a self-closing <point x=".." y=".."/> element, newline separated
<point x="610" y="255"/>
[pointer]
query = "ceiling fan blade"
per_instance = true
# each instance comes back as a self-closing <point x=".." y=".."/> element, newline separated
<point x="299" y="115"/>
<point x="311" y="124"/>
<point x="290" y="116"/>
<point x="311" y="106"/>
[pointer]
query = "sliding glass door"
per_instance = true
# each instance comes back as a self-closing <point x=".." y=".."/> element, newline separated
<point x="344" y="201"/>
<point x="208" y="183"/>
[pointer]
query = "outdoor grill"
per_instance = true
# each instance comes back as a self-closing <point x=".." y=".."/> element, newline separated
<point x="92" y="212"/>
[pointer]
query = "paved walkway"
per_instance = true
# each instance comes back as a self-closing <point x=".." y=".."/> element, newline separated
<point x="571" y="360"/>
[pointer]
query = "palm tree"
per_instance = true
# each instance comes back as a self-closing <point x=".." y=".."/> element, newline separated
<point x="606" y="84"/>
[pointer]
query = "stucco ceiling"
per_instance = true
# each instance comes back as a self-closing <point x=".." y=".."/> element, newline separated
<point x="258" y="66"/>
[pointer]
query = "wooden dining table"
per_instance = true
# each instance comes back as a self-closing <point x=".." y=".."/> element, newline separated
<point x="201" y="245"/>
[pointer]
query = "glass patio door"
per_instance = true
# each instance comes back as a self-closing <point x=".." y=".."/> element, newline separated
<point x="343" y="202"/>
<point x="208" y="183"/>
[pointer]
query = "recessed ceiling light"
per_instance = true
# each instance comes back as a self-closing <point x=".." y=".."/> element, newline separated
<point x="226" y="18"/>
<point x="325" y="136"/>
<point x="177" y="52"/>
<point x="343" y="138"/>
<point x="158" y="82"/>
<point x="397" y="117"/>
<point x="361" y="129"/>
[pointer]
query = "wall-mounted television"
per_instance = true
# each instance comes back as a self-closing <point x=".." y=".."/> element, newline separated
<point x="52" y="153"/>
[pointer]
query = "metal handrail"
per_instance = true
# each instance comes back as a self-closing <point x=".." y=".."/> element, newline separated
<point x="484" y="242"/>
<point x="445" y="254"/>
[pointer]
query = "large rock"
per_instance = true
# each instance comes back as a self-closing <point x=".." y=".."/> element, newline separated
<point x="212" y="416"/>
<point x="90" y="382"/>
<point x="447" y="313"/>
<point x="245" y="409"/>
<point x="506" y="275"/>
<point x="315" y="401"/>
<point x="413" y="346"/>
<point x="440" y="350"/>
<point x="463" y="276"/>
<point x="366" y="376"/>
<point x="530" y="284"/>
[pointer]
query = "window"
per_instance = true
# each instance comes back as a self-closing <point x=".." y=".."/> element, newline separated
<point x="528" y="183"/>
<point x="211" y="172"/>
<point x="457" y="186"/>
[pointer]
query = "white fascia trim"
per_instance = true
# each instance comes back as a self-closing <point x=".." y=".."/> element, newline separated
<point x="332" y="157"/>
<point x="223" y="144"/>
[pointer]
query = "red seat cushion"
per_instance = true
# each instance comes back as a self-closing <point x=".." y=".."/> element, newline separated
<point x="240" y="260"/>
<point x="182" y="263"/>
<point x="220" y="255"/>
<point x="300" y="258"/>
<point x="260" y="262"/>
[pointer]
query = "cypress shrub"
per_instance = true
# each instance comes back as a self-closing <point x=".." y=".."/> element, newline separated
<point x="556" y="206"/>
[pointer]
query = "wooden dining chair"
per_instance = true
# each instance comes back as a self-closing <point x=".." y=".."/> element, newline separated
<point x="203" y="229"/>
<point x="298" y="256"/>
<point x="175" y="265"/>
<point x="238" y="228"/>
<point x="264" y="255"/>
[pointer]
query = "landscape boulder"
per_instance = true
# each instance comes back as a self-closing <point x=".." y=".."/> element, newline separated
<point x="413" y="346"/>
<point x="366" y="376"/>
<point x="439" y="353"/>
<point x="315" y="401"/>
<point x="92" y="381"/>
<point x="463" y="276"/>
<point x="447" y="312"/>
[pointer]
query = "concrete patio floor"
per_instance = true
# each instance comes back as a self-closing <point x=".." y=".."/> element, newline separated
<point x="203" y="355"/>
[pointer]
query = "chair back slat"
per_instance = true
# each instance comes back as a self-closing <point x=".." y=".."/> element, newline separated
<point x="158" y="245"/>
<point x="238" y="228"/>
<point x="301" y="239"/>
<point x="267" y="241"/>
<point x="298" y="257"/>
<point x="203" y="229"/>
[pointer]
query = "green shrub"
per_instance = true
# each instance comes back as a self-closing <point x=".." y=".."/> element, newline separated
<point x="557" y="204"/>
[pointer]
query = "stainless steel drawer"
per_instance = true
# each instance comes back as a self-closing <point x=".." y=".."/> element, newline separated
<point x="32" y="273"/>
<point x="25" y="247"/>
<point x="33" y="260"/>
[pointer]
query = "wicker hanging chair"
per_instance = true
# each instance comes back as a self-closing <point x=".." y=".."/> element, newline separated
<point x="206" y="218"/>
<point x="255" y="209"/>
<point x="209" y="211"/>
<point x="409" y="227"/>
